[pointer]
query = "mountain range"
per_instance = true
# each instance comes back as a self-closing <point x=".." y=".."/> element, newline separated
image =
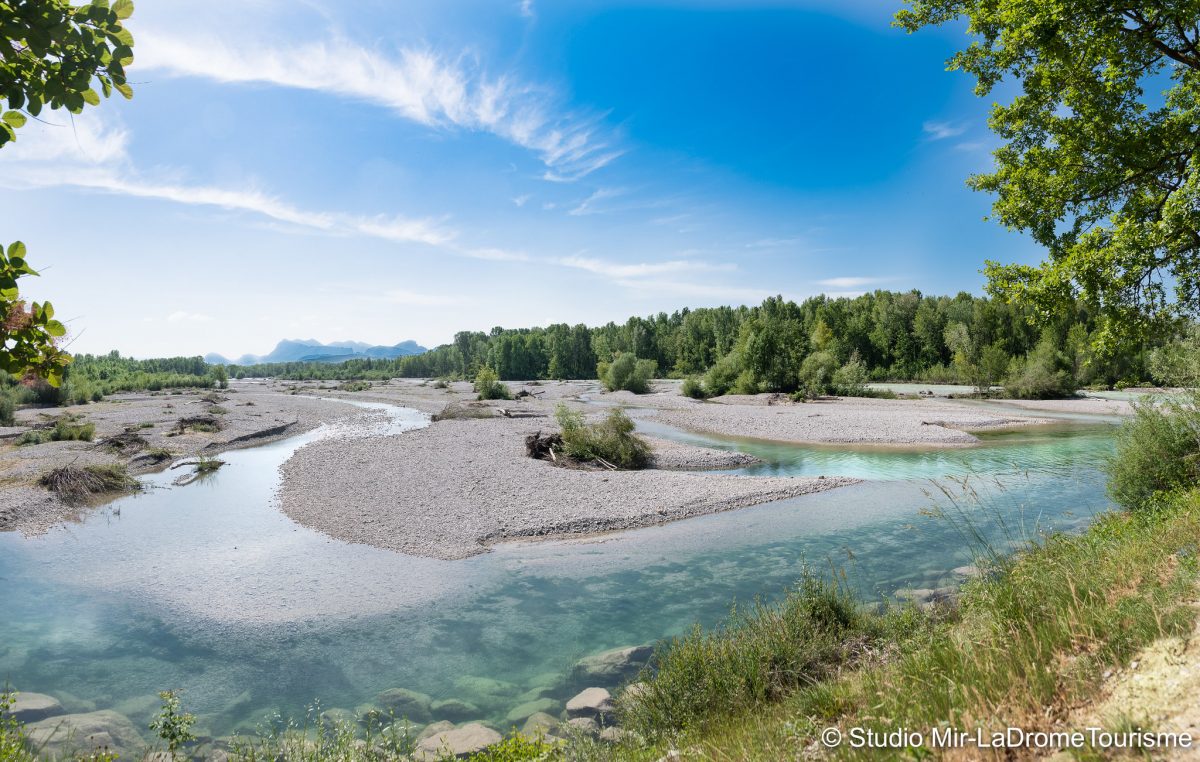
<point x="311" y="350"/>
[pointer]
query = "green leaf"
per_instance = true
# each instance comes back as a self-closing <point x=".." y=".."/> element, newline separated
<point x="123" y="8"/>
<point x="55" y="328"/>
<point x="48" y="310"/>
<point x="16" y="249"/>
<point x="125" y="90"/>
<point x="90" y="96"/>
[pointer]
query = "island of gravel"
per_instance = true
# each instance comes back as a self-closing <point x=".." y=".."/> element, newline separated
<point x="461" y="484"/>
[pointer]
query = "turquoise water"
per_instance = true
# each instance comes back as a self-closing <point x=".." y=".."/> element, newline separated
<point x="209" y="588"/>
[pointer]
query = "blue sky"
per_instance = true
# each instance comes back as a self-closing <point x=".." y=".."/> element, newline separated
<point x="382" y="171"/>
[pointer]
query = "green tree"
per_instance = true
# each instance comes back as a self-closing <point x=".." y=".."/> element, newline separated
<point x="51" y="54"/>
<point x="1099" y="163"/>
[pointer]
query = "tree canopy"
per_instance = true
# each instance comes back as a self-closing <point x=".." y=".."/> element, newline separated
<point x="1099" y="163"/>
<point x="51" y="54"/>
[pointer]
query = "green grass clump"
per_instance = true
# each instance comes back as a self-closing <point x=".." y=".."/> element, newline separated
<point x="354" y="386"/>
<point x="67" y="428"/>
<point x="489" y="386"/>
<point x="1158" y="451"/>
<point x="8" y="408"/>
<point x="760" y="655"/>
<point x="611" y="440"/>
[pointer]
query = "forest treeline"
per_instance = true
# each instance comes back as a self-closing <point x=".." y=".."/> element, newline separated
<point x="780" y="345"/>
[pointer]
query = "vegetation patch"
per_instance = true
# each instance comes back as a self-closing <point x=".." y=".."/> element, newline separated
<point x="66" y="428"/>
<point x="354" y="386"/>
<point x="203" y="423"/>
<point x="626" y="372"/>
<point x="489" y="386"/>
<point x="464" y="411"/>
<point x="75" y="484"/>
<point x="610" y="443"/>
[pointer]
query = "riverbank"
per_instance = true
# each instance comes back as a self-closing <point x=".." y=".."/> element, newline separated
<point x="157" y="429"/>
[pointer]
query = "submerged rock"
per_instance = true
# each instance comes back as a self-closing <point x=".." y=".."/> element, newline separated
<point x="31" y="707"/>
<point x="403" y="703"/>
<point x="584" y="725"/>
<point x="459" y="742"/>
<point x="539" y="722"/>
<point x="528" y="709"/>
<point x="613" y="666"/>
<point x="434" y="728"/>
<point x="591" y="702"/>
<point x="105" y="730"/>
<point x="455" y="710"/>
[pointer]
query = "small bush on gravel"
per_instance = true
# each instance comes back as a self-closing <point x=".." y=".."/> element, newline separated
<point x="68" y="428"/>
<point x="1158" y="450"/>
<point x="611" y="440"/>
<point x="8" y="407"/>
<point x="693" y="388"/>
<point x="627" y="372"/>
<point x="489" y="386"/>
<point x="73" y="483"/>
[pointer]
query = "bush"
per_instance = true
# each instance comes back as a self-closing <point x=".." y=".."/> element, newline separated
<point x="611" y="440"/>
<point x="66" y="429"/>
<point x="626" y="372"/>
<point x="1040" y="375"/>
<point x="489" y="386"/>
<point x="693" y="388"/>
<point x="723" y="376"/>
<point x="851" y="379"/>
<point x="758" y="656"/>
<point x="8" y="408"/>
<point x="1158" y="451"/>
<point x="816" y="373"/>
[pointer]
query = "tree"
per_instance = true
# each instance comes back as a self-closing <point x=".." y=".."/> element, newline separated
<point x="51" y="53"/>
<point x="1097" y="165"/>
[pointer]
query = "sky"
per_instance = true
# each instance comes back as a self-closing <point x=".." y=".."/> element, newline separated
<point x="382" y="171"/>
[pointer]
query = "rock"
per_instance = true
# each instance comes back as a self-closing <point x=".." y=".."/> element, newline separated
<point x="612" y="735"/>
<point x="968" y="571"/>
<point x="454" y="710"/>
<point x="433" y="729"/>
<point x="925" y="597"/>
<point x="403" y="703"/>
<point x="88" y="732"/>
<point x="335" y="716"/>
<point x="533" y="694"/>
<point x="539" y="722"/>
<point x="486" y="686"/>
<point x="31" y="707"/>
<point x="459" y="743"/>
<point x="584" y="725"/>
<point x="633" y="690"/>
<point x="613" y="666"/>
<point x="590" y="702"/>
<point x="530" y="708"/>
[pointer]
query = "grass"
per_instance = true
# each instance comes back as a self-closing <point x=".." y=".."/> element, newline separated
<point x="206" y="464"/>
<point x="218" y="410"/>
<point x="354" y="386"/>
<point x="74" y="484"/>
<point x="611" y="441"/>
<point x="67" y="428"/>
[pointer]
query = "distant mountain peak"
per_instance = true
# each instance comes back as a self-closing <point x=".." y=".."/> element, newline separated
<point x="311" y="350"/>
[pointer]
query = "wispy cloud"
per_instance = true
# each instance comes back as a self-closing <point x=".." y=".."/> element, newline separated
<point x="849" y="282"/>
<point x="639" y="269"/>
<point x="943" y="130"/>
<point x="417" y="85"/>
<point x="527" y="9"/>
<point x="588" y="205"/>
<point x="522" y="199"/>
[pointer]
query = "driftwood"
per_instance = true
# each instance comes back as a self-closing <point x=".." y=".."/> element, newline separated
<point x="211" y="465"/>
<point x="274" y="431"/>
<point x="543" y="447"/>
<point x="127" y="441"/>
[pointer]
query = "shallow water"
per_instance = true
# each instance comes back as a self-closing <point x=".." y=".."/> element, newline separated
<point x="209" y="588"/>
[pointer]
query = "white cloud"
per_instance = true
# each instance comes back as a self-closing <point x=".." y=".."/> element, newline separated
<point x="522" y="199"/>
<point x="527" y="9"/>
<point x="418" y="85"/>
<point x="943" y="130"/>
<point x="84" y="138"/>
<point x="187" y="317"/>
<point x="640" y="269"/>
<point x="849" y="282"/>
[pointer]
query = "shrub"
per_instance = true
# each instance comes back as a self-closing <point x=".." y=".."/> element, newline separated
<point x="489" y="386"/>
<point x="354" y="386"/>
<point x="440" y="383"/>
<point x="66" y="429"/>
<point x="8" y="408"/>
<point x="1158" y="450"/>
<point x="851" y="379"/>
<point x="173" y="725"/>
<point x="758" y="656"/>
<point x="1040" y="375"/>
<point x="626" y="372"/>
<point x="816" y="373"/>
<point x="611" y="440"/>
<point x="693" y="388"/>
<point x="723" y="375"/>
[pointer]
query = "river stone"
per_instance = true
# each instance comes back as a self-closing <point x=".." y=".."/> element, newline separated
<point x="458" y="743"/>
<point x="433" y="729"/>
<point x="539" y="722"/>
<point x="88" y="732"/>
<point x="455" y="710"/>
<point x="485" y="687"/>
<point x="530" y="708"/>
<point x="584" y="725"/>
<point x="968" y="571"/>
<point x="533" y="694"/>
<point x="31" y="707"/>
<point x="590" y="702"/>
<point x="612" y="735"/>
<point x="335" y="716"/>
<point x="403" y="703"/>
<point x="614" y="665"/>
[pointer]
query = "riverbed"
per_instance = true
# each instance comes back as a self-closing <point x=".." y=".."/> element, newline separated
<point x="209" y="588"/>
